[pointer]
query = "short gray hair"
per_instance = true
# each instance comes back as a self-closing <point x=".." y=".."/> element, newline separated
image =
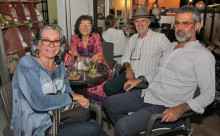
<point x="191" y="9"/>
<point x="36" y="42"/>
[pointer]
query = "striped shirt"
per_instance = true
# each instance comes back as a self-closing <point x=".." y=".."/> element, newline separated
<point x="144" y="54"/>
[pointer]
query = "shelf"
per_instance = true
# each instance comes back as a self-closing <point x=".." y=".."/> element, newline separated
<point x="37" y="1"/>
<point x="12" y="52"/>
<point x="138" y="4"/>
<point x="22" y="24"/>
<point x="13" y="36"/>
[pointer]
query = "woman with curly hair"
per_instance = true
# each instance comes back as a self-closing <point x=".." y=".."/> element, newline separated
<point x="85" y="43"/>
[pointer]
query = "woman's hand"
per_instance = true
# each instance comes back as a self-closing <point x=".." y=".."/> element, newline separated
<point x="99" y="60"/>
<point x="76" y="97"/>
<point x="84" y="102"/>
<point x="98" y="57"/>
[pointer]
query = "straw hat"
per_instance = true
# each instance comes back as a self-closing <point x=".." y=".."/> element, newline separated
<point x="141" y="13"/>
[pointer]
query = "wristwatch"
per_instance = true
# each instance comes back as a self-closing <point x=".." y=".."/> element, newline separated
<point x="142" y="78"/>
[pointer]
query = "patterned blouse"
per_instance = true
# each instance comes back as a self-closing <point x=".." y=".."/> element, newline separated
<point x="94" y="45"/>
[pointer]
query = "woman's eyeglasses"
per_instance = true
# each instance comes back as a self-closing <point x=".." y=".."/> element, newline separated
<point x="87" y="25"/>
<point x="47" y="42"/>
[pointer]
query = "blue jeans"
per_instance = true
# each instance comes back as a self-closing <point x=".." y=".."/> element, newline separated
<point x="118" y="106"/>
<point x="116" y="85"/>
<point x="82" y="128"/>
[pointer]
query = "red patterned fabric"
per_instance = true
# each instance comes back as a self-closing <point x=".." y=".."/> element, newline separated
<point x="95" y="90"/>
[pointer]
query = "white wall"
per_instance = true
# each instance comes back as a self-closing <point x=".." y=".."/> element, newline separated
<point x="52" y="10"/>
<point x="69" y="10"/>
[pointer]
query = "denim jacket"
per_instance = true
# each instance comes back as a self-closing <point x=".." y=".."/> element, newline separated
<point x="32" y="83"/>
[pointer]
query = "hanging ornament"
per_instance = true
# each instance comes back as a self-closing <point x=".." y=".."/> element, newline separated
<point x="200" y="5"/>
<point x="156" y="11"/>
<point x="155" y="5"/>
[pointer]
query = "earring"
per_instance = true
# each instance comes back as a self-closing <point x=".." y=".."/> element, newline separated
<point x="37" y="53"/>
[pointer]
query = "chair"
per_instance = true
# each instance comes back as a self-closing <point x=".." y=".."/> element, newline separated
<point x="108" y="51"/>
<point x="142" y="86"/>
<point x="159" y="131"/>
<point x="6" y="94"/>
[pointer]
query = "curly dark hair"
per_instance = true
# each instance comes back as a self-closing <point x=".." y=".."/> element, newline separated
<point x="78" y="21"/>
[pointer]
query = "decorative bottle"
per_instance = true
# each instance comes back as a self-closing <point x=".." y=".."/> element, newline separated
<point x="27" y="12"/>
<point x="14" y="14"/>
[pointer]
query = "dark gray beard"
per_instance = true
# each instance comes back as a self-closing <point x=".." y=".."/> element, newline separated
<point x="185" y="38"/>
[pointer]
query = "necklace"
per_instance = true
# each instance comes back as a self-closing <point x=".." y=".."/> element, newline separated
<point x="42" y="63"/>
<point x="85" y="41"/>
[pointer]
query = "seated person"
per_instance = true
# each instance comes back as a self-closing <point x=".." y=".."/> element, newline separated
<point x="38" y="76"/>
<point x="87" y="44"/>
<point x="142" y="54"/>
<point x="185" y="67"/>
<point x="115" y="36"/>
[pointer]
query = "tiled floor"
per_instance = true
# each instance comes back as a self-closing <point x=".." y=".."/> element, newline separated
<point x="105" y="125"/>
<point x="211" y="123"/>
<point x="110" y="131"/>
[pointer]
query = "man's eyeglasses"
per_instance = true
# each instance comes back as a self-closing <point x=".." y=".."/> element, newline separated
<point x="183" y="24"/>
<point x="47" y="42"/>
<point x="87" y="25"/>
<point x="134" y="53"/>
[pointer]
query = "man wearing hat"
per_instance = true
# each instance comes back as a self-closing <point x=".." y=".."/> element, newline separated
<point x="141" y="57"/>
<point x="185" y="67"/>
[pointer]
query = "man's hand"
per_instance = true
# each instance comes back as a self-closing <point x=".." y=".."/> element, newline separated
<point x="174" y="113"/>
<point x="129" y="72"/>
<point x="131" y="84"/>
<point x="129" y="75"/>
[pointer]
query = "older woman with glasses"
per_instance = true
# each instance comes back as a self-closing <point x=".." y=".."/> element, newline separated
<point x="85" y="43"/>
<point x="35" y="79"/>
